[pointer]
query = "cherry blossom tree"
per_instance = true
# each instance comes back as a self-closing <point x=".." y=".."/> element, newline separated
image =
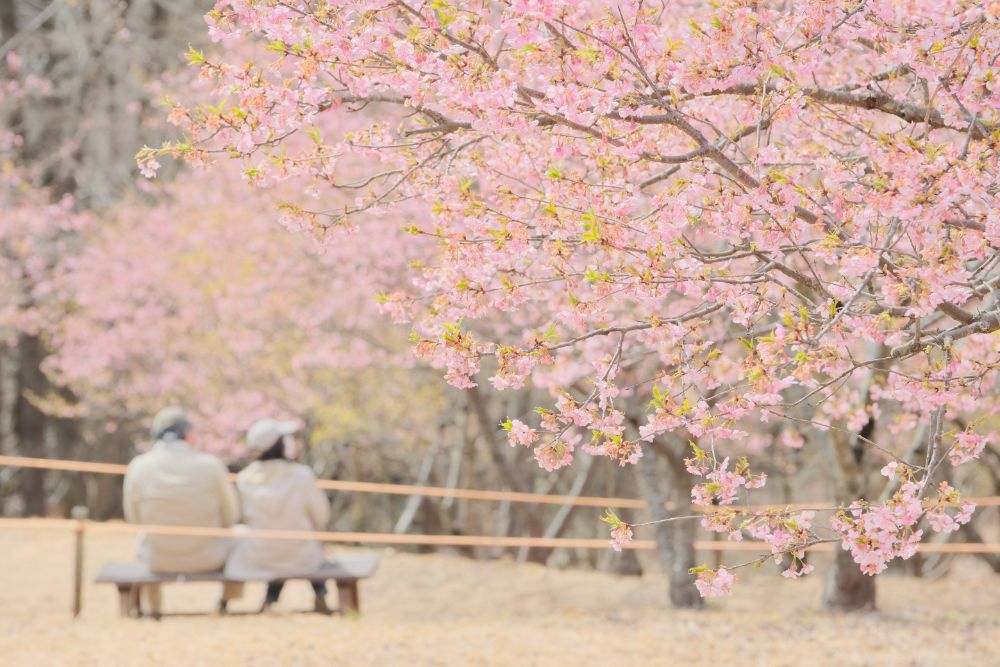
<point x="740" y="212"/>
<point x="77" y="82"/>
<point x="37" y="228"/>
<point x="35" y="233"/>
<point x="198" y="297"/>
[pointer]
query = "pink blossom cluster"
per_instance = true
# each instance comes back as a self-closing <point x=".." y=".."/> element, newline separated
<point x="967" y="446"/>
<point x="621" y="536"/>
<point x="621" y="532"/>
<point x="38" y="234"/>
<point x="876" y="534"/>
<point x="788" y="534"/>
<point x="714" y="583"/>
<point x="519" y="433"/>
<point x="554" y="454"/>
<point x="723" y="484"/>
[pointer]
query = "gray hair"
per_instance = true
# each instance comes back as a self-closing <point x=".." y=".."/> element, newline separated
<point x="171" y="423"/>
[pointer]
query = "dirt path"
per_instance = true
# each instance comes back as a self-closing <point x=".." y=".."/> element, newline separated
<point x="441" y="610"/>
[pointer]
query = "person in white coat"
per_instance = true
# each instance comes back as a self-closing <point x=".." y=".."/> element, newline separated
<point x="279" y="494"/>
<point x="175" y="485"/>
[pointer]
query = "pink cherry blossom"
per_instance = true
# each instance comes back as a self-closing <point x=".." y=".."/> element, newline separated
<point x="621" y="536"/>
<point x="715" y="583"/>
<point x="967" y="447"/>
<point x="519" y="433"/>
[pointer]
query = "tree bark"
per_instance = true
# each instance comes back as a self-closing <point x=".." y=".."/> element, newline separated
<point x="67" y="433"/>
<point x="973" y="535"/>
<point x="847" y="588"/>
<point x="29" y="421"/>
<point x="674" y="540"/>
<point x="8" y="21"/>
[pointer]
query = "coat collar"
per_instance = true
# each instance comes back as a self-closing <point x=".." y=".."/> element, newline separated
<point x="173" y="445"/>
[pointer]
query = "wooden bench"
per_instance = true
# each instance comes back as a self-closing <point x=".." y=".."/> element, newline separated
<point x="129" y="576"/>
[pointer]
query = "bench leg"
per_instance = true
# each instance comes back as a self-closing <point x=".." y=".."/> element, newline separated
<point x="347" y="593"/>
<point x="153" y="602"/>
<point x="128" y="600"/>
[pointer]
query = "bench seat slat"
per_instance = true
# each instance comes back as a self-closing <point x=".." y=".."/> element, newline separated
<point x="344" y="568"/>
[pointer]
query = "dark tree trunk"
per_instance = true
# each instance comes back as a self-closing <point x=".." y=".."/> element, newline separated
<point x="104" y="492"/>
<point x="972" y="534"/>
<point x="627" y="564"/>
<point x="430" y="521"/>
<point x="683" y="593"/>
<point x="847" y="588"/>
<point x="67" y="432"/>
<point x="8" y="21"/>
<point x="674" y="539"/>
<point x="29" y="421"/>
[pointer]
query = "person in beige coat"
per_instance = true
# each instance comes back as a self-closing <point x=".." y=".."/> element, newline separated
<point x="175" y="485"/>
<point x="279" y="494"/>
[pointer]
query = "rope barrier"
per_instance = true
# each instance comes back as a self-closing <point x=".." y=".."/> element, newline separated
<point x="322" y="536"/>
<point x="358" y="487"/>
<point x="432" y="491"/>
<point x="429" y="540"/>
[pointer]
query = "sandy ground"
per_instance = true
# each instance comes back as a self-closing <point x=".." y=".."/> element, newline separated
<point x="445" y="610"/>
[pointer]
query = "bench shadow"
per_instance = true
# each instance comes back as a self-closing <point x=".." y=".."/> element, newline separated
<point x="212" y="614"/>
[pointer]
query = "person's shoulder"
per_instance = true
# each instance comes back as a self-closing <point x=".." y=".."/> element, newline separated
<point x="140" y="457"/>
<point x="250" y="471"/>
<point x="303" y="471"/>
<point x="248" y="468"/>
<point x="211" y="461"/>
<point x="141" y="460"/>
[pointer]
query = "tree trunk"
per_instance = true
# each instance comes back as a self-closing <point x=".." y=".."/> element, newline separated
<point x="683" y="593"/>
<point x="8" y="21"/>
<point x="29" y="421"/>
<point x="67" y="433"/>
<point x="847" y="588"/>
<point x="973" y="535"/>
<point x="627" y="564"/>
<point x="674" y="540"/>
<point x="105" y="498"/>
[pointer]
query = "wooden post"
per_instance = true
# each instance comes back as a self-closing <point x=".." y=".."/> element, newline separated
<point x="125" y="599"/>
<point x="79" y="513"/>
<point x="347" y="594"/>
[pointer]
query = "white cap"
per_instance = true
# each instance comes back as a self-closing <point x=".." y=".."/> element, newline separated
<point x="266" y="432"/>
